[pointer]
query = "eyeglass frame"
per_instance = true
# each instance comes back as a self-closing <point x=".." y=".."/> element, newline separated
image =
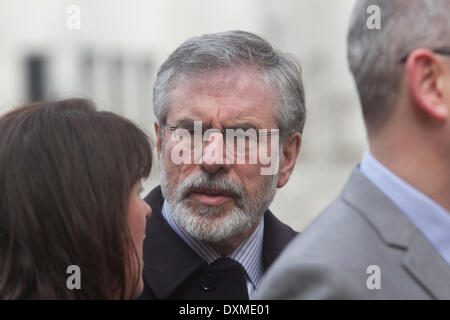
<point x="223" y="132"/>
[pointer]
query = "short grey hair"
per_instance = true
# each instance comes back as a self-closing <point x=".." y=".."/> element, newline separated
<point x="235" y="49"/>
<point x="374" y="55"/>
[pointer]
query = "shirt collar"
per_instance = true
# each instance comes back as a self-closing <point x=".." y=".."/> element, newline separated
<point x="249" y="253"/>
<point x="426" y="214"/>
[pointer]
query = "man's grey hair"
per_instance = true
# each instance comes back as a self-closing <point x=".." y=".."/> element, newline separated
<point x="210" y="53"/>
<point x="375" y="55"/>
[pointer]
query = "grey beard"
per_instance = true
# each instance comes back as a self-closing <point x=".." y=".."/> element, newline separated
<point x="217" y="224"/>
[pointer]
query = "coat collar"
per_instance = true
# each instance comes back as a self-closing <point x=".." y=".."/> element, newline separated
<point x="421" y="260"/>
<point x="169" y="261"/>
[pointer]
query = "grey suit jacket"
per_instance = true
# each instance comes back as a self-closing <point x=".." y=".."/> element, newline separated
<point x="361" y="228"/>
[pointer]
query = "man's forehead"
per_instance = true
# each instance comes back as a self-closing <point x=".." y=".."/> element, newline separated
<point x="238" y="82"/>
<point x="228" y="94"/>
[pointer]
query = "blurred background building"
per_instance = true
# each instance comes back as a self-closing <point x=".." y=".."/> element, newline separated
<point x="114" y="55"/>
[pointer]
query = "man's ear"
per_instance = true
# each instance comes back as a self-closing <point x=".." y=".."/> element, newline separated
<point x="159" y="138"/>
<point x="291" y="148"/>
<point x="426" y="77"/>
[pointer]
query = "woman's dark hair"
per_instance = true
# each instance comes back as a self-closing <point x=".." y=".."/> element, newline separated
<point x="66" y="173"/>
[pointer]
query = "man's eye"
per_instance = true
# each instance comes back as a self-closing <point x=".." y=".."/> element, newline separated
<point x="190" y="130"/>
<point x="239" y="135"/>
<point x="246" y="137"/>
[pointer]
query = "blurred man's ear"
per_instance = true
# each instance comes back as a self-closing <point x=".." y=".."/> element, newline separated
<point x="427" y="75"/>
<point x="289" y="155"/>
<point x="158" y="140"/>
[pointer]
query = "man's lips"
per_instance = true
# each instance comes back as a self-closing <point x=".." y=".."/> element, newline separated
<point x="211" y="197"/>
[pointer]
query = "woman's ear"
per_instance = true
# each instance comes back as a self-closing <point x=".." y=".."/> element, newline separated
<point x="426" y="77"/>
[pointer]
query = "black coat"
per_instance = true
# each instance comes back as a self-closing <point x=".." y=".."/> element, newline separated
<point x="172" y="270"/>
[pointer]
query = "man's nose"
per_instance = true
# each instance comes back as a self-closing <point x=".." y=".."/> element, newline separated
<point x="214" y="154"/>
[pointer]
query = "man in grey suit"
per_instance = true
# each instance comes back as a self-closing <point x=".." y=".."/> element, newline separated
<point x="387" y="236"/>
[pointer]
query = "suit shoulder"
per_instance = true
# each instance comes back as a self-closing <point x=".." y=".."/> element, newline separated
<point x="328" y="260"/>
<point x="339" y="228"/>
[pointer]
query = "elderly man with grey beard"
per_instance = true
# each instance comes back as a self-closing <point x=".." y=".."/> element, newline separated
<point x="230" y="113"/>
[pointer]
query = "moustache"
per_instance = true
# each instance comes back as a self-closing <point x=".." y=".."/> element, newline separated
<point x="212" y="184"/>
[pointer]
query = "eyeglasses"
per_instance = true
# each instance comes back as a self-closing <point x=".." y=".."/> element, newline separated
<point x="442" y="51"/>
<point x="238" y="141"/>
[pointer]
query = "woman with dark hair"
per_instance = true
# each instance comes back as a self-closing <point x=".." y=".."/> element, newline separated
<point x="70" y="178"/>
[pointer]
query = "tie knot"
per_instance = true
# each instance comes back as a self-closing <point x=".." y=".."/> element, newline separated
<point x="224" y="261"/>
<point x="227" y="277"/>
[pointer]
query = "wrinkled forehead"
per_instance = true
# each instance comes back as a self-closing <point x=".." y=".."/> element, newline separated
<point x="223" y="97"/>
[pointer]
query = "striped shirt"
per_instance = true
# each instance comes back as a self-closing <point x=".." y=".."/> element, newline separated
<point x="248" y="254"/>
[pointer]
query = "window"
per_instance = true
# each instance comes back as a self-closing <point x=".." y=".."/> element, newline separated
<point x="36" y="78"/>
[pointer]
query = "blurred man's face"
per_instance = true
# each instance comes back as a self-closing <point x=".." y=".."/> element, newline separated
<point x="213" y="197"/>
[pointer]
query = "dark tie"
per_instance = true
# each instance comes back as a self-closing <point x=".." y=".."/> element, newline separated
<point x="225" y="278"/>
